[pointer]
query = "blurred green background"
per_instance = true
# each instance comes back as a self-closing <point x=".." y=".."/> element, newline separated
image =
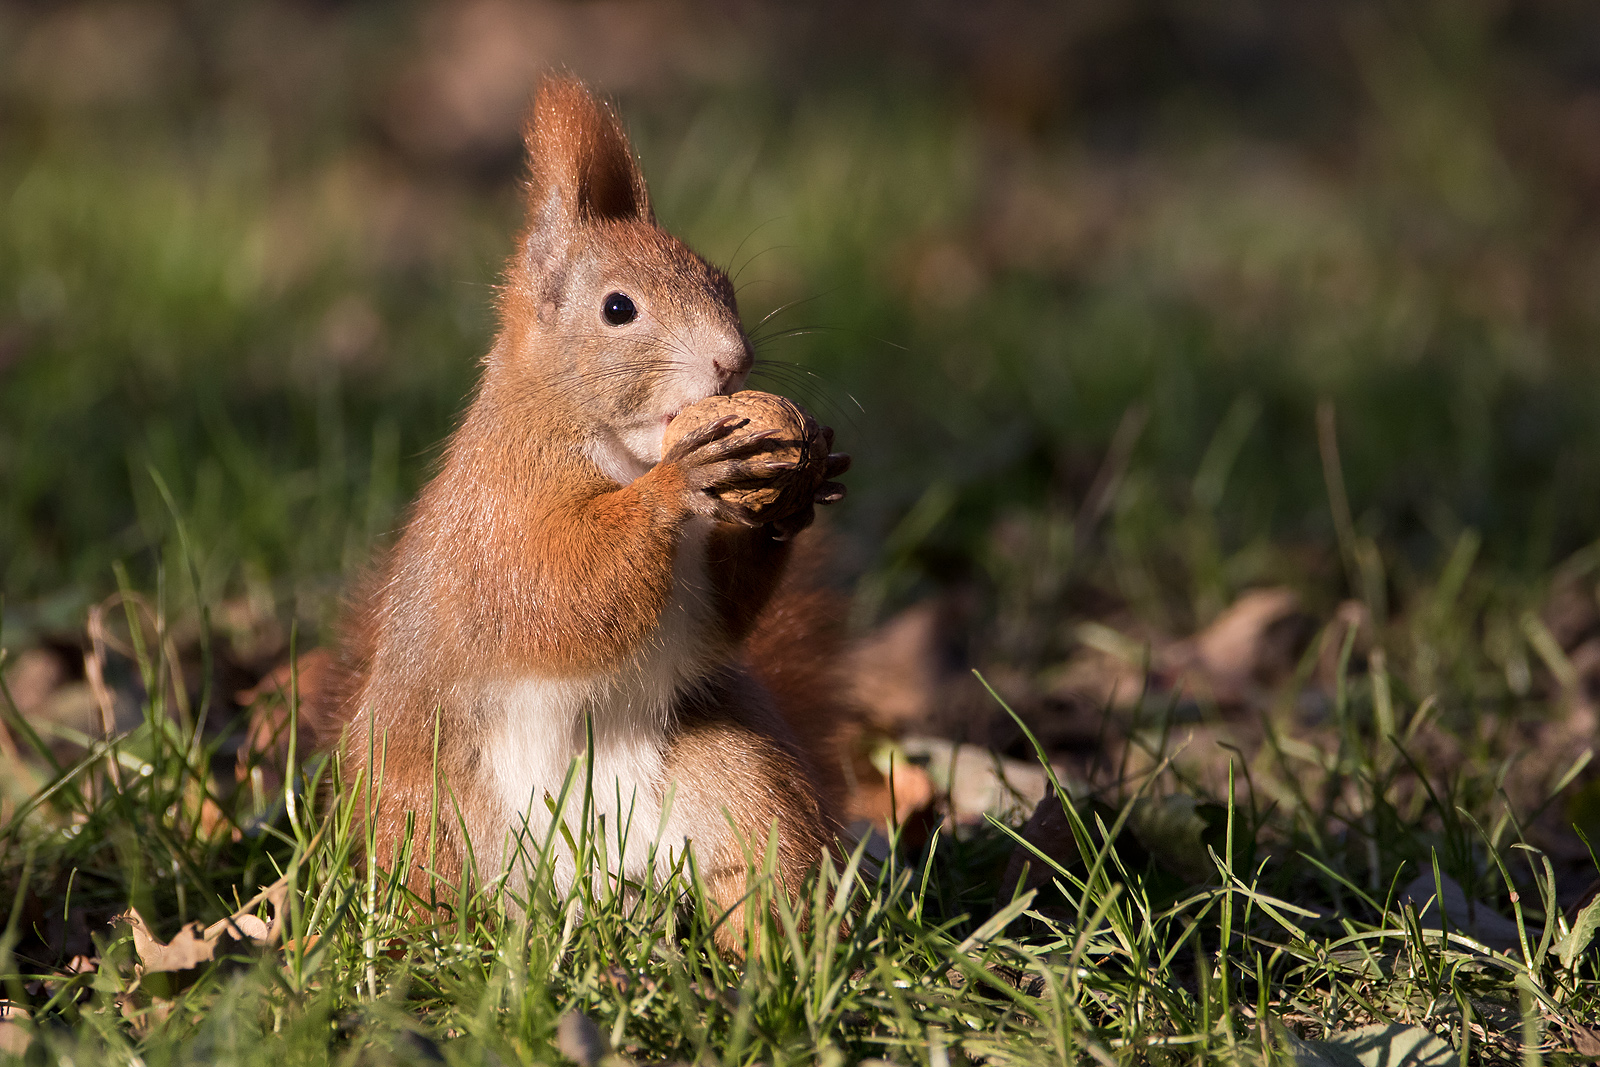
<point x="251" y="248"/>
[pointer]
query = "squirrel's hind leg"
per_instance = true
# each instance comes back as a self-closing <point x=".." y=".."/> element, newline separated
<point x="737" y="773"/>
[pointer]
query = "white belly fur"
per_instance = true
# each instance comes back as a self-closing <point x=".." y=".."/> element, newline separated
<point x="540" y="734"/>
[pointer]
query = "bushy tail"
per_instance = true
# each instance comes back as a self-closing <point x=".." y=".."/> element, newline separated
<point x="798" y="650"/>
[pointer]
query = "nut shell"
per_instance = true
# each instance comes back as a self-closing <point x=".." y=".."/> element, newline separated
<point x="797" y="441"/>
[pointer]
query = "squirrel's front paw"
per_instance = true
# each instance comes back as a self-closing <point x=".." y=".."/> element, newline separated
<point x="824" y="490"/>
<point x="729" y="473"/>
<point x="755" y="459"/>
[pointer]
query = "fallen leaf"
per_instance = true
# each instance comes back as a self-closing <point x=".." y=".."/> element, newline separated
<point x="251" y="926"/>
<point x="1174" y="833"/>
<point x="1377" y="1045"/>
<point x="305" y="676"/>
<point x="1585" y="1042"/>
<point x="896" y="671"/>
<point x="1351" y="617"/>
<point x="309" y="677"/>
<point x="1316" y="1053"/>
<point x="147" y="1018"/>
<point x="293" y="944"/>
<point x="977" y="781"/>
<point x="1391" y="1045"/>
<point x="33" y="676"/>
<point x="886" y="787"/>
<point x="189" y="948"/>
<point x="193" y="945"/>
<point x="1048" y="830"/>
<point x="911" y="789"/>
<point x="1475" y="919"/>
<point x="1234" y="642"/>
<point x="1254" y="642"/>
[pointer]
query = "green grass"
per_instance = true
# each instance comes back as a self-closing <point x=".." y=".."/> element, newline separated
<point x="1078" y="338"/>
<point x="251" y="291"/>
<point x="1185" y="927"/>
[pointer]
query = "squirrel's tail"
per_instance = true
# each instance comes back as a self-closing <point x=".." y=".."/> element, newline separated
<point x="799" y="651"/>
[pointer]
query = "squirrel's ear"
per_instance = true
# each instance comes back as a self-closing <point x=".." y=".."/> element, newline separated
<point x="580" y="166"/>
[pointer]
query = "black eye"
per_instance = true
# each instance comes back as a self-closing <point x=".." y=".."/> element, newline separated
<point x="618" y="309"/>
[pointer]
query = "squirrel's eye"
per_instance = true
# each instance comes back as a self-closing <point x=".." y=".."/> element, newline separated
<point x="618" y="309"/>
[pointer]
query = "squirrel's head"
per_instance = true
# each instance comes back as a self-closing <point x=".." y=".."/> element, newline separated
<point x="610" y="318"/>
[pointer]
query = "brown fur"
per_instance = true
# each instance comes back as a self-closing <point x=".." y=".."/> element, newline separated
<point x="527" y="556"/>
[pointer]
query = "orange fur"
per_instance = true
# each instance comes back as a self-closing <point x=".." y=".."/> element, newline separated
<point x="557" y="552"/>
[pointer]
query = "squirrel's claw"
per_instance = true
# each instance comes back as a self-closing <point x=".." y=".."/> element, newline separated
<point x="789" y="527"/>
<point x="710" y="433"/>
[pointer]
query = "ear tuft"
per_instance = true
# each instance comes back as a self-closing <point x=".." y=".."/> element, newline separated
<point x="581" y="167"/>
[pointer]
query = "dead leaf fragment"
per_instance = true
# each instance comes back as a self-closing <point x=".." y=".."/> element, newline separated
<point x="1475" y="919"/>
<point x="195" y="945"/>
<point x="889" y="788"/>
<point x="1387" y="1045"/>
<point x="1050" y="831"/>
<point x="144" y="1019"/>
<point x="896" y="673"/>
<point x="33" y="676"/>
<point x="1251" y="644"/>
<point x="307" y="681"/>
<point x="977" y="781"/>
<point x="189" y="949"/>
<point x="1585" y="1042"/>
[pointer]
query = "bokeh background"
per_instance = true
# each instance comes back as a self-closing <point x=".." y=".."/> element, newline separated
<point x="1073" y="281"/>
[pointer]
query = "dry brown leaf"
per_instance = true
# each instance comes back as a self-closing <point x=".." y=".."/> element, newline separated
<point x="293" y="944"/>
<point x="143" y="1020"/>
<point x="895" y="672"/>
<point x="1233" y="644"/>
<point x="887" y="787"/>
<point x="1050" y="831"/>
<point x="977" y="781"/>
<point x="276" y="894"/>
<point x="33" y="676"/>
<point x="1473" y="918"/>
<point x="194" y="945"/>
<point x="1585" y="1042"/>
<point x="189" y="949"/>
<point x="305" y="677"/>
<point x="1099" y="677"/>
<point x="1256" y="639"/>
<point x="251" y="926"/>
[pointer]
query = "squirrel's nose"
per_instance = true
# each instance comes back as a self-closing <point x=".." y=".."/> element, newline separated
<point x="733" y="369"/>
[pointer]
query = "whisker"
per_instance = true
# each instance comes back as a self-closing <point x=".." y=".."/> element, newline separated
<point x="737" y="289"/>
<point x="817" y="391"/>
<point x="733" y="258"/>
<point x="800" y="331"/>
<point x="625" y="369"/>
<point x="679" y="344"/>
<point x="780" y="309"/>
<point x="758" y="255"/>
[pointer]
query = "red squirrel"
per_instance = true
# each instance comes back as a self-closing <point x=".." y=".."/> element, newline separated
<point x="559" y="573"/>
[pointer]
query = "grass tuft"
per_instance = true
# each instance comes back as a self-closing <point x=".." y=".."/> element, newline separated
<point x="1292" y="939"/>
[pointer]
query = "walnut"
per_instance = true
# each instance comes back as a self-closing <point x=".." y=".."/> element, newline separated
<point x="797" y="441"/>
